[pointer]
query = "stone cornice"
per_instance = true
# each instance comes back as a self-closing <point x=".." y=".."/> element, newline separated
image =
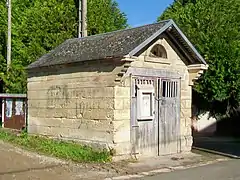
<point x="195" y="71"/>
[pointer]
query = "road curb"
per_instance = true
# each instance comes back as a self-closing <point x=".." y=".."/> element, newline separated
<point x="216" y="152"/>
<point x="162" y="170"/>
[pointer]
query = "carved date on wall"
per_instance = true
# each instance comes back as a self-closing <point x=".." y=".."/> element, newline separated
<point x="80" y="109"/>
<point x="57" y="97"/>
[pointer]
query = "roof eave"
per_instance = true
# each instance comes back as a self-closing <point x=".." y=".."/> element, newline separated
<point x="199" y="57"/>
<point x="150" y="39"/>
<point x="110" y="58"/>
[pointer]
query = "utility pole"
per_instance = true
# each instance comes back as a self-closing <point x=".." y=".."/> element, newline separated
<point x="9" y="38"/>
<point x="82" y="14"/>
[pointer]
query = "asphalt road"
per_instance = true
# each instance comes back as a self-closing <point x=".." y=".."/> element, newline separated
<point x="226" y="170"/>
<point x="229" y="147"/>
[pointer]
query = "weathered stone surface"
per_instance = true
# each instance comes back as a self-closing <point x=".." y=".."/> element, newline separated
<point x="75" y="83"/>
<point x="121" y="114"/>
<point x="126" y="81"/>
<point x="74" y="134"/>
<point x="123" y="148"/>
<point x="121" y="136"/>
<point x="94" y="103"/>
<point x="75" y="103"/>
<point x="64" y="92"/>
<point x="94" y="114"/>
<point x="127" y="103"/>
<point x="186" y="143"/>
<point x="186" y="103"/>
<point x="80" y="70"/>
<point x="121" y="125"/>
<point x="122" y="103"/>
<point x="185" y="112"/>
<point x="101" y="125"/>
<point x="119" y="103"/>
<point x="121" y="131"/>
<point x="122" y="92"/>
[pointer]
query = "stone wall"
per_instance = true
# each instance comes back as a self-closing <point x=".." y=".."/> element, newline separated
<point x="122" y="120"/>
<point x="83" y="102"/>
<point x="75" y="102"/>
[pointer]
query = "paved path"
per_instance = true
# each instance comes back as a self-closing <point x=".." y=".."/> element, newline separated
<point x="226" y="170"/>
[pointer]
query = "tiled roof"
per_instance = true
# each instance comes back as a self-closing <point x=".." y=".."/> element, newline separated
<point x="113" y="44"/>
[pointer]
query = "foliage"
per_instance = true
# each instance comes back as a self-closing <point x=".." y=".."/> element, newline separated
<point x="38" y="26"/>
<point x="213" y="27"/>
<point x="104" y="16"/>
<point x="61" y="149"/>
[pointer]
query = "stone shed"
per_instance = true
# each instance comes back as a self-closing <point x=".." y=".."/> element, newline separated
<point x="128" y="90"/>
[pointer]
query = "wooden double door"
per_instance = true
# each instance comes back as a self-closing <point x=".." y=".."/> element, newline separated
<point x="155" y="116"/>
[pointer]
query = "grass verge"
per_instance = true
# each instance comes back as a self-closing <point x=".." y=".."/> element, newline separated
<point x="61" y="149"/>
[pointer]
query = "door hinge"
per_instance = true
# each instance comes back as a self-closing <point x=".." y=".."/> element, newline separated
<point x="135" y="126"/>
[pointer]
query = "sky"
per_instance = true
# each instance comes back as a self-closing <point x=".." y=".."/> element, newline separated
<point x="140" y="12"/>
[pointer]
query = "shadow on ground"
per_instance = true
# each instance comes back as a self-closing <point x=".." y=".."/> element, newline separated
<point x="225" y="145"/>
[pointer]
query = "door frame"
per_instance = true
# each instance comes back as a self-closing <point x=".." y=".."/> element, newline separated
<point x="134" y="122"/>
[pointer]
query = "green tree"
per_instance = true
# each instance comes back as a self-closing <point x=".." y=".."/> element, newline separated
<point x="40" y="25"/>
<point x="214" y="28"/>
<point x="104" y="16"/>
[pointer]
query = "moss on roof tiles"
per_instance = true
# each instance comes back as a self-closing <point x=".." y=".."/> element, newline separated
<point x="113" y="44"/>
